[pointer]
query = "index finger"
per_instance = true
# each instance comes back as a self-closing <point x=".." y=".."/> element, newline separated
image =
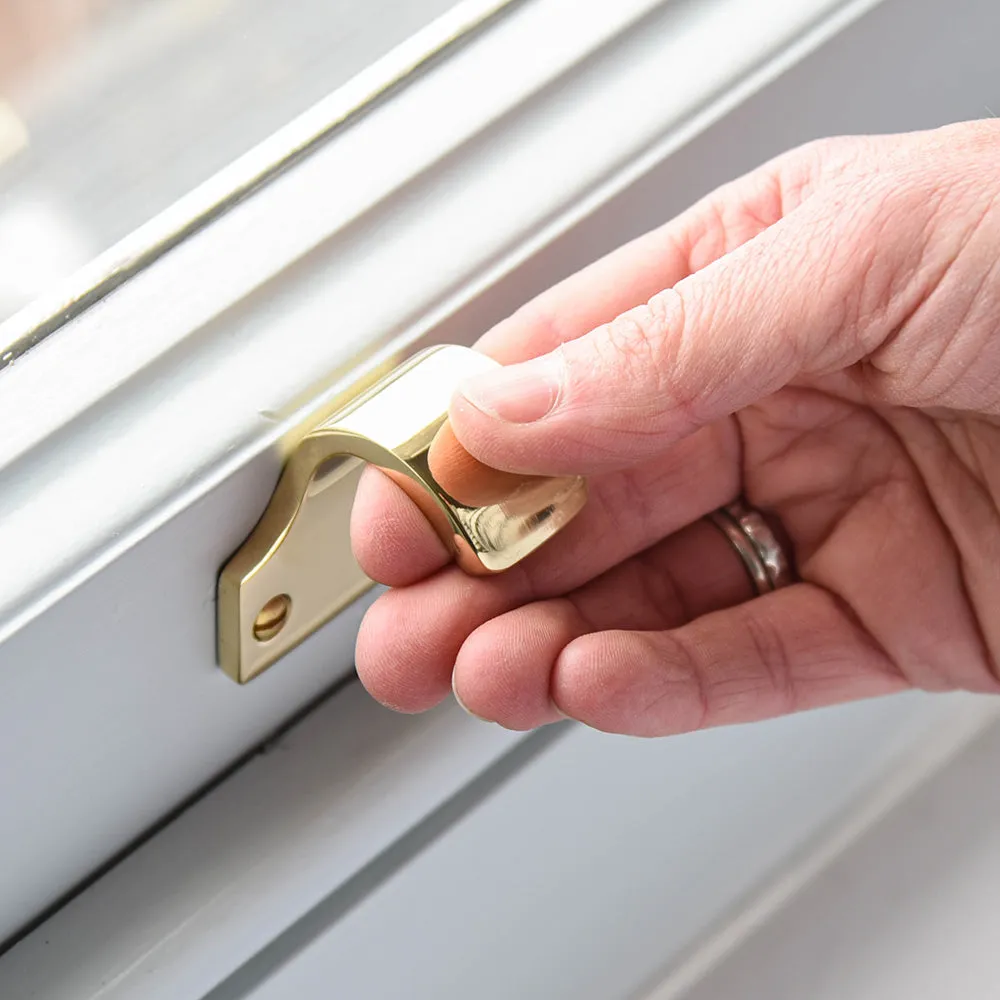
<point x="636" y="271"/>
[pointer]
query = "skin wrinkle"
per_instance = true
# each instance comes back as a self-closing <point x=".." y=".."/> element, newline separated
<point x="867" y="638"/>
<point x="990" y="278"/>
<point x="892" y="379"/>
<point x="764" y="413"/>
<point x="687" y="662"/>
<point x="761" y="214"/>
<point x="797" y="177"/>
<point x="732" y="696"/>
<point x="659" y="588"/>
<point x="773" y="655"/>
<point x="972" y="293"/>
<point x="850" y="492"/>
<point x="873" y="297"/>
<point x="872" y="496"/>
<point x="639" y="500"/>
<point x="846" y="339"/>
<point x="703" y="241"/>
<point x="634" y="341"/>
<point x="990" y="659"/>
<point x="971" y="458"/>
<point x="782" y="186"/>
<point x="669" y="307"/>
<point x="910" y="478"/>
<point x="537" y="313"/>
<point x="828" y="540"/>
<point x="850" y="498"/>
<point x="635" y="495"/>
<point x="720" y="233"/>
<point x="652" y="576"/>
<point x="679" y="407"/>
<point x="649" y="571"/>
<point x="720" y="230"/>
<point x="686" y="408"/>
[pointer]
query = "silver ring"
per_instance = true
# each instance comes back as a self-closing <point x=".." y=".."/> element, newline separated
<point x="763" y="557"/>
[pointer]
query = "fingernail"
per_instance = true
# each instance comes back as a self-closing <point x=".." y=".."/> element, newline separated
<point x="518" y="394"/>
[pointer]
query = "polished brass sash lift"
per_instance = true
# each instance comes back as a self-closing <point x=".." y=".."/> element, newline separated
<point x="296" y="570"/>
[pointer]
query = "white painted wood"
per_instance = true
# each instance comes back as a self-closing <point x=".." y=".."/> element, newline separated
<point x="260" y="851"/>
<point x="597" y="861"/>
<point x="603" y="860"/>
<point x="140" y="444"/>
<point x="911" y="910"/>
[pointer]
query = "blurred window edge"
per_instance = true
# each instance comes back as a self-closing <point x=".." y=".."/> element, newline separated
<point x="51" y="270"/>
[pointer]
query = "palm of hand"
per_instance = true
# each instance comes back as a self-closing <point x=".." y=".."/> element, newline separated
<point x="890" y="520"/>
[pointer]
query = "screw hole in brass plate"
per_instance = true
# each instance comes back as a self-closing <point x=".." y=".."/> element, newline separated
<point x="271" y="618"/>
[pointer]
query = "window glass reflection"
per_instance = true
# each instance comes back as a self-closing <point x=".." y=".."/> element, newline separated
<point x="112" y="109"/>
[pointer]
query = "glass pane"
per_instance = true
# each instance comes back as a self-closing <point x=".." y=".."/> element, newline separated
<point x="112" y="109"/>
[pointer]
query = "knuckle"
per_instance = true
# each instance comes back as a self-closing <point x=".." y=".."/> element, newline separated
<point x="897" y="255"/>
<point x="646" y="336"/>
<point x="635" y="334"/>
<point x="866" y="249"/>
<point x="546" y="323"/>
<point x="642" y="347"/>
<point x="807" y="169"/>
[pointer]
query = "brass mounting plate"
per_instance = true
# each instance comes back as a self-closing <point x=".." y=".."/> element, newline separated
<point x="296" y="571"/>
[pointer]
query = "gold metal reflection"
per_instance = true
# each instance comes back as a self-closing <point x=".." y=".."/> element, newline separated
<point x="296" y="571"/>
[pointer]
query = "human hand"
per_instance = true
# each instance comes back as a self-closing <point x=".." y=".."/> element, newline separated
<point x="821" y="336"/>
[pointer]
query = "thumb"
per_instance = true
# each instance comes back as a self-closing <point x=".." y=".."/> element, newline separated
<point x="803" y="297"/>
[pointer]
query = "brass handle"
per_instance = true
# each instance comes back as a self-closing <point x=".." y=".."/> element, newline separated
<point x="296" y="569"/>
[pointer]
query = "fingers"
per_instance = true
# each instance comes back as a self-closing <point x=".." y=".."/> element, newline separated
<point x="814" y="293"/>
<point x="503" y="671"/>
<point x="467" y="480"/>
<point x="625" y="513"/>
<point x="392" y="540"/>
<point x="626" y="277"/>
<point x="595" y="298"/>
<point x="660" y="645"/>
<point x="791" y="650"/>
<point x="635" y="272"/>
<point x="410" y="639"/>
